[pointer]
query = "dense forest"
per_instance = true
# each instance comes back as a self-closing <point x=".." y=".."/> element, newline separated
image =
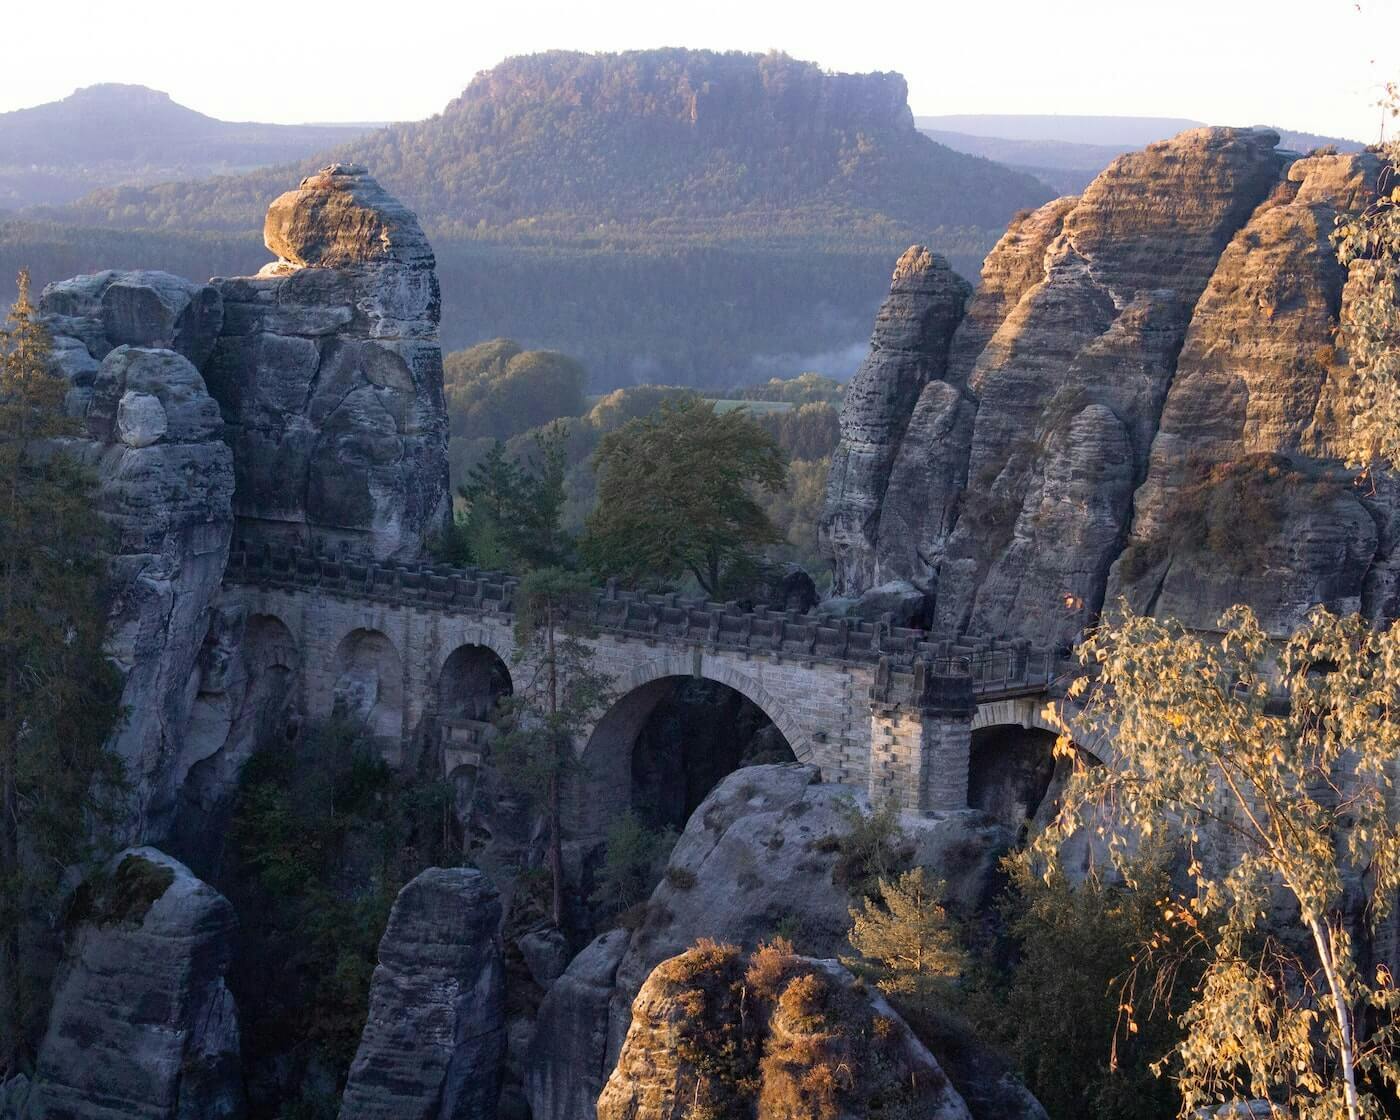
<point x="685" y="216"/>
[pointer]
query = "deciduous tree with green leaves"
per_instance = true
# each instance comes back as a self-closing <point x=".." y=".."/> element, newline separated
<point x="1269" y="764"/>
<point x="58" y="695"/>
<point x="676" y="495"/>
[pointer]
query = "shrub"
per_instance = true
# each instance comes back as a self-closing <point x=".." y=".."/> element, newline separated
<point x="633" y="863"/>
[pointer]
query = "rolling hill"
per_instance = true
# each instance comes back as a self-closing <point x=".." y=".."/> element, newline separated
<point x="111" y="134"/>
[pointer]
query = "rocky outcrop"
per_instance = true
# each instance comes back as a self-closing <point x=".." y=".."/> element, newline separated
<point x="1243" y="501"/>
<point x="143" y="1025"/>
<point x="761" y="854"/>
<point x="127" y="343"/>
<point x="568" y="1060"/>
<point x="908" y="349"/>
<point x="717" y="1033"/>
<point x="1130" y="362"/>
<point x="434" y="1043"/>
<point x="329" y="374"/>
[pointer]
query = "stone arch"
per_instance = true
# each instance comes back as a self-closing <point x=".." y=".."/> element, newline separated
<point x="368" y="689"/>
<point x="272" y="661"/>
<point x="605" y="787"/>
<point x="1011" y="768"/>
<point x="471" y="678"/>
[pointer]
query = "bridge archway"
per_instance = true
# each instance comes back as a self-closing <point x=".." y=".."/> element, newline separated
<point x="1012" y="772"/>
<point x="368" y="684"/>
<point x="472" y="680"/>
<point x="639" y="757"/>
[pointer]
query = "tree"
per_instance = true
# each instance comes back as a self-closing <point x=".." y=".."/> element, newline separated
<point x="513" y="515"/>
<point x="1368" y="243"/>
<point x="905" y="941"/>
<point x="545" y="717"/>
<point x="58" y="695"/>
<point x="1268" y="765"/>
<point x="675" y="495"/>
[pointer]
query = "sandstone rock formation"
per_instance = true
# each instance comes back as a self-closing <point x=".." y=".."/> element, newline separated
<point x="771" y="1034"/>
<point x="142" y="1023"/>
<point x="1131" y="362"/>
<point x="908" y="349"/>
<point x="329" y="374"/>
<point x="434" y="1044"/>
<point x="759" y="855"/>
<point x="126" y="342"/>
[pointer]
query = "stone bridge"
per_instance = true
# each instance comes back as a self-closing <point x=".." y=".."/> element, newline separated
<point x="422" y="653"/>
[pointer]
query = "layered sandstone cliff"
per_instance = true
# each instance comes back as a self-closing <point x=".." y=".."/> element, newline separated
<point x="1145" y="384"/>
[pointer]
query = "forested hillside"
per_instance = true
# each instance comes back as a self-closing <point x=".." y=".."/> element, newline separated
<point x="688" y="216"/>
<point x="112" y="134"/>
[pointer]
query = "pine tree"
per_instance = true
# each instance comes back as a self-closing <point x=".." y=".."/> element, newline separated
<point x="57" y="693"/>
<point x="905" y="941"/>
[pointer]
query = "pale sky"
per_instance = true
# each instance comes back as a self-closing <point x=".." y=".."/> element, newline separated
<point x="1313" y="65"/>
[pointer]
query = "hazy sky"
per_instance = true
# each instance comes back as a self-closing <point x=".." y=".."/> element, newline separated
<point x="1315" y="65"/>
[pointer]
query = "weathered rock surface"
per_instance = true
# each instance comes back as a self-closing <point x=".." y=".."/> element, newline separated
<point x="568" y="1062"/>
<point x="142" y="1023"/>
<point x="1242" y="502"/>
<point x="165" y="485"/>
<point x="759" y="855"/>
<point x="434" y="1043"/>
<point x="908" y="349"/>
<point x="329" y="374"/>
<point x="780" y="1022"/>
<point x="1130" y="358"/>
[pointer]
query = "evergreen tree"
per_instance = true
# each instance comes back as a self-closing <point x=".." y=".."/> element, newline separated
<point x="57" y="693"/>
<point x="905" y="941"/>
<point x="556" y="703"/>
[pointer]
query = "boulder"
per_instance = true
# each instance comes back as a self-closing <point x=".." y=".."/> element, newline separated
<point x="329" y="375"/>
<point x="143" y="1025"/>
<point x="797" y="1036"/>
<point x="434" y="1043"/>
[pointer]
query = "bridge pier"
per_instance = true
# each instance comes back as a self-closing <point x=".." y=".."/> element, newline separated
<point x="921" y="739"/>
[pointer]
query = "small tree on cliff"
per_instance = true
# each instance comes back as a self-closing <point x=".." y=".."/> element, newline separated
<point x="1270" y="766"/>
<point x="676" y="495"/>
<point x="905" y="941"/>
<point x="555" y="704"/>
<point x="57" y="693"/>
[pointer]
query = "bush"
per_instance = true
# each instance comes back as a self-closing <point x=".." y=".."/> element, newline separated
<point x="632" y="866"/>
<point x="873" y="847"/>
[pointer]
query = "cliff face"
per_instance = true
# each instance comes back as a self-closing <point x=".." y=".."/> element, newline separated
<point x="305" y="403"/>
<point x="329" y="373"/>
<point x="1149" y="366"/>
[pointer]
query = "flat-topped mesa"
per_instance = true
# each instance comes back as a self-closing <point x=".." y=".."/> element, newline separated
<point x="908" y="350"/>
<point x="329" y="374"/>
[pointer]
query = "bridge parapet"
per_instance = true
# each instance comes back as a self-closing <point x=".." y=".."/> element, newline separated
<point x="899" y="654"/>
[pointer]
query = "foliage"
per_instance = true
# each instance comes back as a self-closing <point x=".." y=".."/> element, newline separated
<point x="634" y="860"/>
<point x="1368" y="244"/>
<point x="555" y="703"/>
<point x="675" y="495"/>
<point x="1053" y="997"/>
<point x="809" y="431"/>
<point x="872" y="848"/>
<point x="324" y="834"/>
<point x="496" y="389"/>
<point x="58" y="694"/>
<point x="1282" y="752"/>
<point x="905" y="941"/>
<point x="512" y="509"/>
